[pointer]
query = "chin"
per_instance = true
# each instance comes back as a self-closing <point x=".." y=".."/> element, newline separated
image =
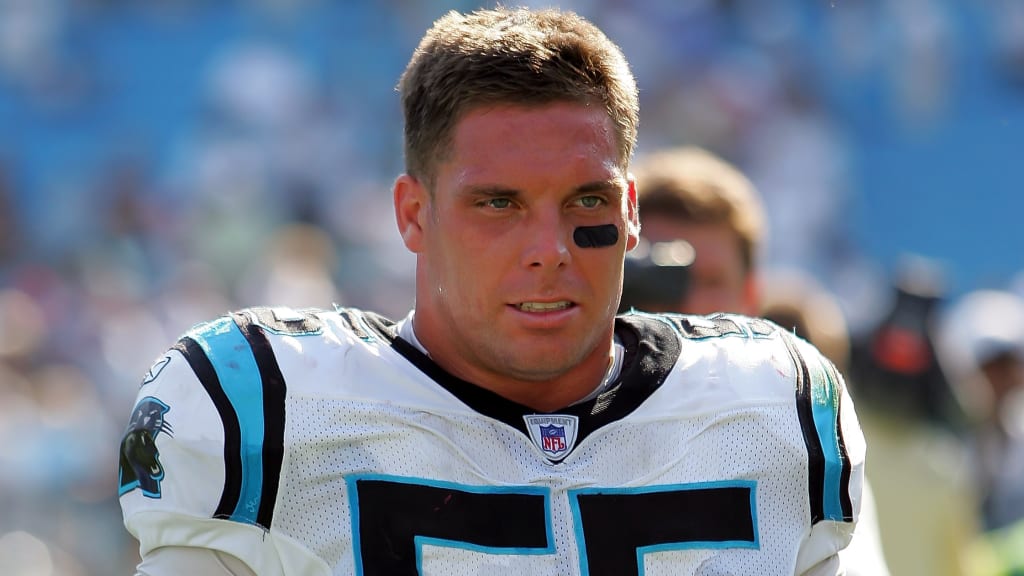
<point x="541" y="363"/>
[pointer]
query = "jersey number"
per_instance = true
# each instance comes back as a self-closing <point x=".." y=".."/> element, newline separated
<point x="394" y="517"/>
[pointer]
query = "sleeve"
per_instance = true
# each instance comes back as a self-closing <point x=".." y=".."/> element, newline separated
<point x="835" y="460"/>
<point x="177" y="560"/>
<point x="201" y="456"/>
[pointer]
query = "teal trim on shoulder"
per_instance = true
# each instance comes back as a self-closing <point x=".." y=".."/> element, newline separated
<point x="825" y="396"/>
<point x="235" y="365"/>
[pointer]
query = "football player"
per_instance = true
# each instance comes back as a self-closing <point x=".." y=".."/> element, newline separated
<point x="511" y="423"/>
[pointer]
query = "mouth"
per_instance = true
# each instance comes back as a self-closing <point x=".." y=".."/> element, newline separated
<point x="555" y="306"/>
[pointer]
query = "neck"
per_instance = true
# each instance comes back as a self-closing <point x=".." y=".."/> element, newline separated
<point x="538" y="390"/>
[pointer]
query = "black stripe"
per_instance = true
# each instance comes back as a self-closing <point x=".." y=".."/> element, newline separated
<point x="204" y="370"/>
<point x="273" y="414"/>
<point x="805" y="410"/>
<point x="844" y="480"/>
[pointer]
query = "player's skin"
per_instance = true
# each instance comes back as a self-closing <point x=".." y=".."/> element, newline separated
<point x="505" y="298"/>
<point x="719" y="280"/>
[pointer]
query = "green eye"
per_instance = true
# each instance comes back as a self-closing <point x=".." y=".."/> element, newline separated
<point x="496" y="203"/>
<point x="591" y="201"/>
<point x="499" y="203"/>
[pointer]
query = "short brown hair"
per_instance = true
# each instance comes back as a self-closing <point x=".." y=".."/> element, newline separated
<point x="518" y="56"/>
<point x="693" y="185"/>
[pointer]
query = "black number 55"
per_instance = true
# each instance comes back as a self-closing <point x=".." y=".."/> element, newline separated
<point x="393" y="517"/>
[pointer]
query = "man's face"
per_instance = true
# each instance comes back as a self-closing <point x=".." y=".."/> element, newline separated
<point x="1004" y="374"/>
<point x="503" y="291"/>
<point x="719" y="282"/>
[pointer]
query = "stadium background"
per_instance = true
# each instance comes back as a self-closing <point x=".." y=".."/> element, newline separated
<point x="163" y="161"/>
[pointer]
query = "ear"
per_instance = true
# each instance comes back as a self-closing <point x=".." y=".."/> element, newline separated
<point x="412" y="204"/>
<point x="632" y="215"/>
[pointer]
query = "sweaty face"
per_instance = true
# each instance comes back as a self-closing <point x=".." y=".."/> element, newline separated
<point x="504" y="296"/>
<point x="719" y="281"/>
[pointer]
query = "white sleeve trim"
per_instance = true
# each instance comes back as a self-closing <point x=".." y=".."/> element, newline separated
<point x="177" y="560"/>
<point x="264" y="552"/>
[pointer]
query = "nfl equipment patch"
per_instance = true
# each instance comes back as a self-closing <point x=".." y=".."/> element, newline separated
<point x="554" y="434"/>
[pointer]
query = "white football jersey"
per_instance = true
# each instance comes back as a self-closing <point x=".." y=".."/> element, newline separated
<point x="320" y="443"/>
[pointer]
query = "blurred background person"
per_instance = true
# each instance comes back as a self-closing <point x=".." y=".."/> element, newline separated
<point x="913" y="421"/>
<point x="690" y="194"/>
<point x="982" y="344"/>
<point x="796" y="301"/>
<point x="897" y="361"/>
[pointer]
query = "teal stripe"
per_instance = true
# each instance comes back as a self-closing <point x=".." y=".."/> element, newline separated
<point x="825" y="408"/>
<point x="239" y="376"/>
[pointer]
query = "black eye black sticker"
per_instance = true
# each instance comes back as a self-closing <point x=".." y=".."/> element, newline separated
<point x="596" y="236"/>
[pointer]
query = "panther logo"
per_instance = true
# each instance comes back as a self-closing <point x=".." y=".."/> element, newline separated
<point x="140" y="460"/>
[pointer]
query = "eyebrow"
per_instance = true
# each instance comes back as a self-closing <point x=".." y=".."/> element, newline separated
<point x="613" y="185"/>
<point x="489" y="190"/>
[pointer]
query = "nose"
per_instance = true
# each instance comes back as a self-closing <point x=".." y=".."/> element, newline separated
<point x="546" y="244"/>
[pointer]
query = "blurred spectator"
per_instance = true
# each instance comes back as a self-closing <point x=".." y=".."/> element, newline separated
<point x="983" y="345"/>
<point x="691" y="194"/>
<point x="298" y="268"/>
<point x="896" y="364"/>
<point x="53" y="487"/>
<point x="796" y="301"/>
<point x="909" y="415"/>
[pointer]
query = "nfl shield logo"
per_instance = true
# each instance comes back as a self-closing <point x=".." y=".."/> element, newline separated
<point x="552" y="439"/>
<point x="554" y="434"/>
